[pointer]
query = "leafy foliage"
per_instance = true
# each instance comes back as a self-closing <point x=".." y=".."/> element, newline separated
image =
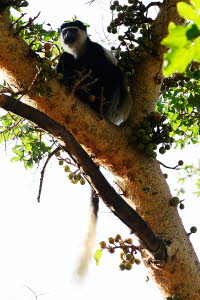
<point x="29" y="146"/>
<point x="181" y="105"/>
<point x="188" y="172"/>
<point x="36" y="35"/>
<point x="183" y="41"/>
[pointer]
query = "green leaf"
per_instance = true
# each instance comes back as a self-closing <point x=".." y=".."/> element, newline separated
<point x="196" y="4"/>
<point x="97" y="256"/>
<point x="192" y="32"/>
<point x="183" y="41"/>
<point x="186" y="11"/>
<point x="190" y="12"/>
<point x="15" y="158"/>
<point x="30" y="163"/>
<point x="189" y="109"/>
<point x="18" y="152"/>
<point x="2" y="139"/>
<point x="28" y="147"/>
<point x="177" y="60"/>
<point x="25" y="129"/>
<point x="177" y="37"/>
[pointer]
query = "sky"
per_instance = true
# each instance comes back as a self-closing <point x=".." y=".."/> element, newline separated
<point x="41" y="243"/>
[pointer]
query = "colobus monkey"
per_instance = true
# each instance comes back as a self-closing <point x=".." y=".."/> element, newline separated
<point x="105" y="91"/>
<point x="106" y="88"/>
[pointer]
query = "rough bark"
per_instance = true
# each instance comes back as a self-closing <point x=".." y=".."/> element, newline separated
<point x="145" y="187"/>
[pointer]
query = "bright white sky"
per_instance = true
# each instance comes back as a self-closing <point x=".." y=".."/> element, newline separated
<point x="40" y="242"/>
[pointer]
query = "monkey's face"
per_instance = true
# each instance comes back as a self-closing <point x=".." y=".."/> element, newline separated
<point x="70" y="35"/>
<point x="73" y="37"/>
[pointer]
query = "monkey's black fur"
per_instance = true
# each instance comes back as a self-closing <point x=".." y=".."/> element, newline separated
<point x="106" y="81"/>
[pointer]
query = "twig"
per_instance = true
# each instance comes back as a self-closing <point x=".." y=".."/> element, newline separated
<point x="77" y="82"/>
<point x="36" y="296"/>
<point x="11" y="127"/>
<point x="85" y="86"/>
<point x="43" y="170"/>
<point x="122" y="190"/>
<point x="173" y="168"/>
<point x="157" y="3"/>
<point x="90" y="2"/>
<point x="27" y="25"/>
<point x="12" y="24"/>
<point x="102" y="102"/>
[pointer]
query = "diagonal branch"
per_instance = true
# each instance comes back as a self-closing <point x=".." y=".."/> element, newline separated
<point x="113" y="201"/>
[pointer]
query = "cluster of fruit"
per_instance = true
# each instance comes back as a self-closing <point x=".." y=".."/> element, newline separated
<point x="74" y="177"/>
<point x="128" y="251"/>
<point x="177" y="80"/>
<point x="46" y="72"/>
<point x="151" y="132"/>
<point x="138" y="35"/>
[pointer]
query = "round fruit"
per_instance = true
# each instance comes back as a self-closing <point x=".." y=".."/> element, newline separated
<point x="111" y="250"/>
<point x="162" y="150"/>
<point x="122" y="266"/>
<point x="48" y="53"/>
<point x="128" y="241"/>
<point x="180" y="162"/>
<point x="193" y="229"/>
<point x="102" y="245"/>
<point x="137" y="261"/>
<point x="82" y="181"/>
<point x="67" y="169"/>
<point x="174" y="201"/>
<point x="111" y="240"/>
<point x="47" y="46"/>
<point x="24" y="4"/>
<point x="128" y="265"/>
<point x="145" y="139"/>
<point x="92" y="98"/>
<point x="117" y="238"/>
<point x="57" y="153"/>
<point x="129" y="256"/>
<point x="167" y="147"/>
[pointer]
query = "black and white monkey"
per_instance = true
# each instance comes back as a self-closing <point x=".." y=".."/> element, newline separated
<point x="107" y="86"/>
<point x="106" y="83"/>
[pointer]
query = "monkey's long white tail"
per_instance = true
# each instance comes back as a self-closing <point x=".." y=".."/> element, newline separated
<point x="90" y="239"/>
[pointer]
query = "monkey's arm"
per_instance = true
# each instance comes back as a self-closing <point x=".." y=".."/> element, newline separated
<point x="66" y="65"/>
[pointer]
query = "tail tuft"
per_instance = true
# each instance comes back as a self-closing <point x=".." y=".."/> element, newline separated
<point x="89" y="243"/>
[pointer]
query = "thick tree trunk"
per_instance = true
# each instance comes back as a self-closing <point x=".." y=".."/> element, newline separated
<point x="140" y="177"/>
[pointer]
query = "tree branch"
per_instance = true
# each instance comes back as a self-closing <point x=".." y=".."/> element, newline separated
<point x="113" y="201"/>
<point x="43" y="170"/>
